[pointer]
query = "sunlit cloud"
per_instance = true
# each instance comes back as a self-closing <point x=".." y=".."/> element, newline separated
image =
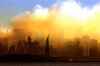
<point x="39" y="12"/>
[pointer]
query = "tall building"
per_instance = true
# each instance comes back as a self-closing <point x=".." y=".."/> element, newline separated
<point x="85" y="44"/>
<point x="47" y="48"/>
<point x="93" y="51"/>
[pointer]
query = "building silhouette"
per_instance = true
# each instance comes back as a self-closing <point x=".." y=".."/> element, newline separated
<point x="20" y="47"/>
<point x="93" y="51"/>
<point x="11" y="50"/>
<point x="77" y="48"/>
<point x="47" y="48"/>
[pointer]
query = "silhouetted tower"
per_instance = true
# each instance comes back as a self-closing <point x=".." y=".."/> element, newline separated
<point x="29" y="40"/>
<point x="20" y="47"/>
<point x="47" y="48"/>
<point x="28" y="45"/>
<point x="78" y="48"/>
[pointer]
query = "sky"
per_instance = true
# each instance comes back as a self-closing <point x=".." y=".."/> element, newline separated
<point x="10" y="8"/>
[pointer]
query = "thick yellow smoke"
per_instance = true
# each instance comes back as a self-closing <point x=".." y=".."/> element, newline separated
<point x="65" y="21"/>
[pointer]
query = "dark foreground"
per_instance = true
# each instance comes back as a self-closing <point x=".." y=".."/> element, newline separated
<point x="30" y="58"/>
<point x="51" y="64"/>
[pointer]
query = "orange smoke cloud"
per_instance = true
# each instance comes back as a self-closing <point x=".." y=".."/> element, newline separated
<point x="68" y="20"/>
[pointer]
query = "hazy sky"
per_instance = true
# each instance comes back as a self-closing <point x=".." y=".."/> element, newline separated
<point x="10" y="8"/>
